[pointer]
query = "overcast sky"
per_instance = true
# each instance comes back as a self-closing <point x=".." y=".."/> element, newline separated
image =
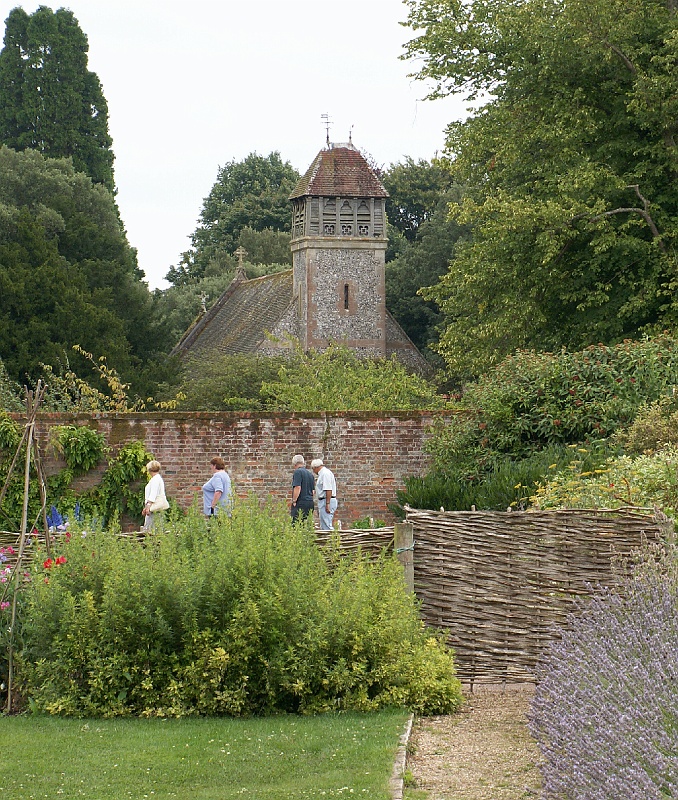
<point x="193" y="84"/>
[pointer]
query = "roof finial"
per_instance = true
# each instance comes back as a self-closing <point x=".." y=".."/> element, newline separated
<point x="327" y="122"/>
<point x="240" y="274"/>
<point x="350" y="136"/>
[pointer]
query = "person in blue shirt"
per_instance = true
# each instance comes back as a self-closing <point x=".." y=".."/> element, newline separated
<point x="216" y="493"/>
<point x="303" y="484"/>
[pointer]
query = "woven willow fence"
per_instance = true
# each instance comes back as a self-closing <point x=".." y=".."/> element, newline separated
<point x="500" y="582"/>
<point x="369" y="541"/>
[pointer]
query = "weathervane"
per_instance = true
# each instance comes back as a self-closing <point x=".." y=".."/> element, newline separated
<point x="327" y="122"/>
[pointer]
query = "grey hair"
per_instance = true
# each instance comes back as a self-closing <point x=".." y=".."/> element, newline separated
<point x="298" y="459"/>
<point x="317" y="462"/>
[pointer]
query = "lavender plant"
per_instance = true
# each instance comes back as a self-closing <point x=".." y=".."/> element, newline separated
<point x="605" y="711"/>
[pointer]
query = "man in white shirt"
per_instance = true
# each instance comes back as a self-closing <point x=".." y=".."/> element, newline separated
<point x="326" y="492"/>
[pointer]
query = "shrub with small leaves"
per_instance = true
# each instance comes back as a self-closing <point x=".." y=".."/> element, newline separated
<point x="605" y="710"/>
<point x="648" y="480"/>
<point x="237" y="615"/>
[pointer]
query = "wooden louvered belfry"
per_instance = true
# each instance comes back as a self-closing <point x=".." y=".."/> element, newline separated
<point x="338" y="250"/>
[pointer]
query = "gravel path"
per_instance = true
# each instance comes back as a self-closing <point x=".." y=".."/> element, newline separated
<point x="482" y="753"/>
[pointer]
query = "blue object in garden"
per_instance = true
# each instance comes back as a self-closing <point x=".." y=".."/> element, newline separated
<point x="54" y="519"/>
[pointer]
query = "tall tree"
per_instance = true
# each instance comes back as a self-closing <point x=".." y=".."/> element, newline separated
<point x="49" y="100"/>
<point x="253" y="194"/>
<point x="67" y="273"/>
<point x="419" y="197"/>
<point x="572" y="168"/>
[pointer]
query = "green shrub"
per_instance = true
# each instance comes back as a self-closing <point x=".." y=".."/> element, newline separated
<point x="533" y="400"/>
<point x="238" y="616"/>
<point x="367" y="523"/>
<point x="82" y="447"/>
<point x="10" y="392"/>
<point x="227" y="383"/>
<point x="337" y="379"/>
<point x="511" y="483"/>
<point x="655" y="426"/>
<point x="649" y="480"/>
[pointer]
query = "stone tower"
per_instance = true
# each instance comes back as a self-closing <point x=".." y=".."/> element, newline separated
<point x="338" y="252"/>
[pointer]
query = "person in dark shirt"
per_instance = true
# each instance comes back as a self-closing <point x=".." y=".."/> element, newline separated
<point x="303" y="485"/>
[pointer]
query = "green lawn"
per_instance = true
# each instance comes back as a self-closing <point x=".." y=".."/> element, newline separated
<point x="330" y="755"/>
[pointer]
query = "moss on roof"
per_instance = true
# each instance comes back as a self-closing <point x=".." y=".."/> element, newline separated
<point x="239" y="320"/>
<point x="339" y="171"/>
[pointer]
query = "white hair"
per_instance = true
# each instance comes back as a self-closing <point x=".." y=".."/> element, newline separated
<point x="317" y="462"/>
<point x="298" y="459"/>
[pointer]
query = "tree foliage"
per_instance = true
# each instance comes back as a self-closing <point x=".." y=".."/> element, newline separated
<point x="336" y="379"/>
<point x="419" y="197"/>
<point x="67" y="274"/>
<point x="571" y="168"/>
<point x="227" y="383"/>
<point x="416" y="190"/>
<point x="251" y="194"/>
<point x="49" y="100"/>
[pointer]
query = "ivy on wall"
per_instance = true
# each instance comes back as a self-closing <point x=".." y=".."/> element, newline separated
<point x="118" y="492"/>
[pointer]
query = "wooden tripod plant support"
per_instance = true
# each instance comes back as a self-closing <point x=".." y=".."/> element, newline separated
<point x="28" y="439"/>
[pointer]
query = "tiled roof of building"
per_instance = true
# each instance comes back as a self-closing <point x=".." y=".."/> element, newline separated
<point x="239" y="320"/>
<point x="339" y="170"/>
<point x="248" y="309"/>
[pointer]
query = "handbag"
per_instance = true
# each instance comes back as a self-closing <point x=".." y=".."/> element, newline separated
<point x="159" y="504"/>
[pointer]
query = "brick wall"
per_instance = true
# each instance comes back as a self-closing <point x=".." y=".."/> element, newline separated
<point x="369" y="453"/>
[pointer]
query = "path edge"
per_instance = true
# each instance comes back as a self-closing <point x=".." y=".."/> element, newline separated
<point x="396" y="784"/>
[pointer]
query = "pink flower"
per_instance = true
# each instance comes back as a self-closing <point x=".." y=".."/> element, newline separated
<point x="4" y="605"/>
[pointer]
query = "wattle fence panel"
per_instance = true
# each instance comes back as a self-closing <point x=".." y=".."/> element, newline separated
<point x="501" y="583"/>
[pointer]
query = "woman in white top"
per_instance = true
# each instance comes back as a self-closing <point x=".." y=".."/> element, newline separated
<point x="155" y="488"/>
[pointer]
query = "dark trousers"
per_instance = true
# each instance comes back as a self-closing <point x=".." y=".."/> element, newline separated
<point x="299" y="513"/>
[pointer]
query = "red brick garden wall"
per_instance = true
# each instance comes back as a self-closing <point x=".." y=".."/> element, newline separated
<point x="369" y="453"/>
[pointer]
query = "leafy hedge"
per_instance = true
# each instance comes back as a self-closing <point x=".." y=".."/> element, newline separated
<point x="516" y="424"/>
<point x="533" y="400"/>
<point x="243" y="616"/>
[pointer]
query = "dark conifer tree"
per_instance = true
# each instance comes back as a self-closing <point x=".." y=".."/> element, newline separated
<point x="49" y="100"/>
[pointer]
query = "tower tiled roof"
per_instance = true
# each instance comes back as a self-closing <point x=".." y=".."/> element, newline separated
<point x="339" y="170"/>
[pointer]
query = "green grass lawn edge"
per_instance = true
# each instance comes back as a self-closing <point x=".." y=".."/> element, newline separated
<point x="287" y="756"/>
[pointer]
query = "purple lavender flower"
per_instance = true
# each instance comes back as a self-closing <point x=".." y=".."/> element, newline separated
<point x="605" y="711"/>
